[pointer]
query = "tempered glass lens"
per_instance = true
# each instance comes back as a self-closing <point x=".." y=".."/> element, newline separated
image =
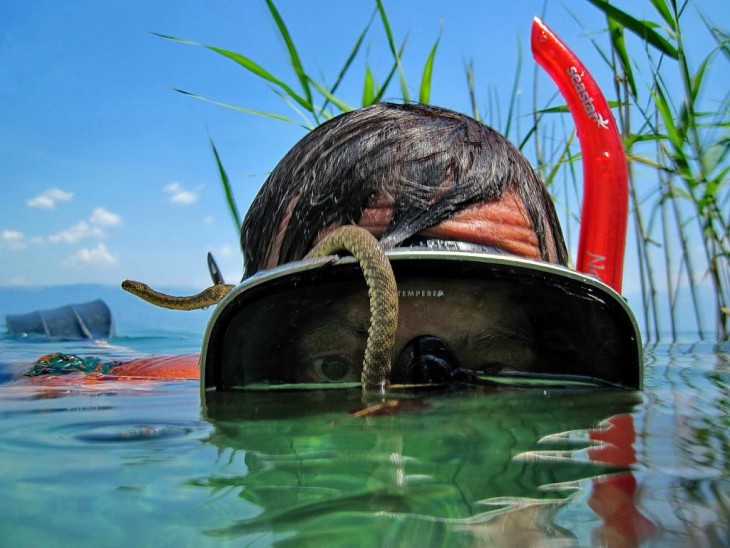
<point x="498" y="323"/>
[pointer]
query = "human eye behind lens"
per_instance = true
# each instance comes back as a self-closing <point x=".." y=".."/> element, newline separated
<point x="330" y="368"/>
<point x="329" y="352"/>
<point x="496" y="353"/>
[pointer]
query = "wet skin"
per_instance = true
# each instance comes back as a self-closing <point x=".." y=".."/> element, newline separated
<point x="485" y="331"/>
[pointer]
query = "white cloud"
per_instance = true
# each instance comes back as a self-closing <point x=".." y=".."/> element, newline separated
<point x="180" y="195"/>
<point x="48" y="198"/>
<point x="97" y="256"/>
<point x="79" y="231"/>
<point x="88" y="229"/>
<point x="103" y="217"/>
<point x="13" y="239"/>
<point x="16" y="240"/>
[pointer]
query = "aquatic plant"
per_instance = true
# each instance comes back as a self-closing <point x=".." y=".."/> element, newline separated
<point x="684" y="137"/>
<point x="668" y="126"/>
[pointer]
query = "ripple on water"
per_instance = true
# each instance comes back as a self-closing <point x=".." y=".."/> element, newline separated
<point x="131" y="433"/>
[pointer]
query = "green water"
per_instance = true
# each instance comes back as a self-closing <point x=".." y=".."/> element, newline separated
<point x="148" y="464"/>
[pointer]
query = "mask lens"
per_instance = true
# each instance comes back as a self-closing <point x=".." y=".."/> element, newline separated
<point x="500" y="322"/>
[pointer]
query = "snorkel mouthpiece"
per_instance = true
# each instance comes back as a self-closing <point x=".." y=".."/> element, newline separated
<point x="425" y="360"/>
<point x="605" y="182"/>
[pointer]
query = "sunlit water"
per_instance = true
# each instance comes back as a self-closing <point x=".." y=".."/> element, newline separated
<point x="149" y="463"/>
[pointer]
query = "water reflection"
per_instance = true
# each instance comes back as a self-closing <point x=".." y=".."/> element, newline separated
<point x="472" y="468"/>
<point x="683" y="443"/>
<point x="467" y="468"/>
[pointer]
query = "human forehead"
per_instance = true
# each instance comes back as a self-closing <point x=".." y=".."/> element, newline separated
<point x="419" y="299"/>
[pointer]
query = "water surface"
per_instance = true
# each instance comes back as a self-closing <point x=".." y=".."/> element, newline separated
<point x="149" y="463"/>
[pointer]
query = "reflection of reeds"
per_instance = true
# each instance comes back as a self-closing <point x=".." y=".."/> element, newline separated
<point x="667" y="126"/>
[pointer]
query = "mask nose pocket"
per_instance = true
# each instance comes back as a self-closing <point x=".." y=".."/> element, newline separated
<point x="424" y="360"/>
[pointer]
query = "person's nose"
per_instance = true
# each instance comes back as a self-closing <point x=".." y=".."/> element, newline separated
<point x="424" y="360"/>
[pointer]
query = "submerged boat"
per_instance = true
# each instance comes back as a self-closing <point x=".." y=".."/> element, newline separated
<point x="91" y="320"/>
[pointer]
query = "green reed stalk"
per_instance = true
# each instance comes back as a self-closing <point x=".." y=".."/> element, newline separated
<point x="692" y="171"/>
<point x="691" y="148"/>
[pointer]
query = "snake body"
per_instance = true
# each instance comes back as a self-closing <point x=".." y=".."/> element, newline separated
<point x="208" y="297"/>
<point x="382" y="293"/>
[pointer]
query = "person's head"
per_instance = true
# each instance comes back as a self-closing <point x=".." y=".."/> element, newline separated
<point x="402" y="171"/>
<point x="409" y="174"/>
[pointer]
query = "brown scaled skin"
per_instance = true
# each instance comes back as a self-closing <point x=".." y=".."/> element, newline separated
<point x="208" y="297"/>
<point x="382" y="293"/>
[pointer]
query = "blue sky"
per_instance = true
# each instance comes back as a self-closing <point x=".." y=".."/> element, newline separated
<point x="106" y="173"/>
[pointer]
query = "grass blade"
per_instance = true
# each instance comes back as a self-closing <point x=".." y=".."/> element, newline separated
<point x="643" y="29"/>
<point x="663" y="9"/>
<point x="368" y="90"/>
<point x="293" y="54"/>
<point x="344" y="107"/>
<point x="306" y="122"/>
<point x="262" y="73"/>
<point x="697" y="79"/>
<point x="394" y="50"/>
<point x="424" y="94"/>
<point x="248" y="64"/>
<point x="351" y="57"/>
<point x="381" y="90"/>
<point x="515" y="88"/>
<point x="236" y="107"/>
<point x="230" y="199"/>
<point x="472" y="91"/>
<point x="176" y="39"/>
<point x="619" y="46"/>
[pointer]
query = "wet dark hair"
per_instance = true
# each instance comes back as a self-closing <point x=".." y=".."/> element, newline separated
<point x="433" y="162"/>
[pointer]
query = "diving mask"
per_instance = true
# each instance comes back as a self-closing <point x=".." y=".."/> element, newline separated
<point x="498" y="319"/>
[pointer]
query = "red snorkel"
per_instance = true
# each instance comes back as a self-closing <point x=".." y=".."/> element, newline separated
<point x="605" y="182"/>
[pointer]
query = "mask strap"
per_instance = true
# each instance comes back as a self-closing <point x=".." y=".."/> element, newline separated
<point x="605" y="182"/>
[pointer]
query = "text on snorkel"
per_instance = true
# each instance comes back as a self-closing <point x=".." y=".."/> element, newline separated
<point x="586" y="99"/>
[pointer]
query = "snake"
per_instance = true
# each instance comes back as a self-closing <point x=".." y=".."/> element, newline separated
<point x="208" y="297"/>
<point x="382" y="296"/>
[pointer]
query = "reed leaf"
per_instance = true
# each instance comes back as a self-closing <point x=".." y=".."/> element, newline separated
<point x="472" y="91"/>
<point x="344" y="107"/>
<point x="643" y="29"/>
<point x="265" y="114"/>
<point x="368" y="89"/>
<point x="618" y="43"/>
<point x="564" y="157"/>
<point x="350" y="59"/>
<point x="262" y="73"/>
<point x="513" y="94"/>
<point x="393" y="50"/>
<point x="249" y="65"/>
<point x="306" y="121"/>
<point x="230" y="199"/>
<point x="698" y="78"/>
<point x="666" y="14"/>
<point x="176" y="39"/>
<point x="721" y="37"/>
<point x="296" y="61"/>
<point x="380" y="91"/>
<point x="667" y="117"/>
<point x="424" y="94"/>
